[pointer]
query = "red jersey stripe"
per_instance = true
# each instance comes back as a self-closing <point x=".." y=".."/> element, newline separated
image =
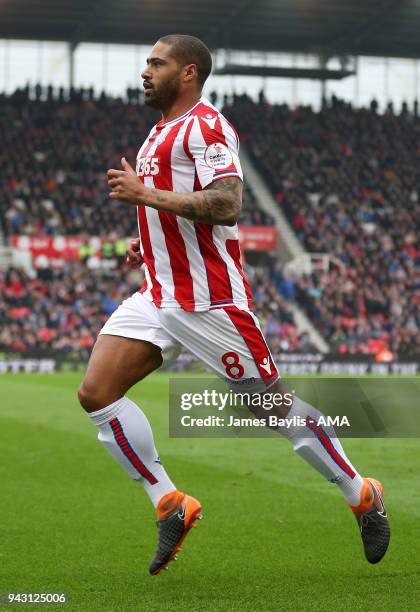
<point x="149" y="259"/>
<point x="180" y="265"/>
<point x="232" y="247"/>
<point x="255" y="342"/>
<point x="218" y="278"/>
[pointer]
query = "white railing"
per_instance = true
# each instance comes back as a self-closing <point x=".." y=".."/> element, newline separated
<point x="6" y="257"/>
<point x="13" y="257"/>
<point x="311" y="262"/>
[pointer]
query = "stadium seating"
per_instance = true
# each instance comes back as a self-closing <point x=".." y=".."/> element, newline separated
<point x="62" y="310"/>
<point x="53" y="183"/>
<point x="53" y="179"/>
<point x="348" y="181"/>
<point x="59" y="310"/>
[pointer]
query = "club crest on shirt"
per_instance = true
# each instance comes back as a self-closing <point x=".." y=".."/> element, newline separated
<point x="218" y="156"/>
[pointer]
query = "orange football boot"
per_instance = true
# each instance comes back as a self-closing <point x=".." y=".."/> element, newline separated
<point x="372" y="519"/>
<point x="177" y="514"/>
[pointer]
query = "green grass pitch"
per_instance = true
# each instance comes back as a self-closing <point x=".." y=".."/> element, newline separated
<point x="275" y="536"/>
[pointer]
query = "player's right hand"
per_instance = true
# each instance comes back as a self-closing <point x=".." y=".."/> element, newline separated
<point x="133" y="259"/>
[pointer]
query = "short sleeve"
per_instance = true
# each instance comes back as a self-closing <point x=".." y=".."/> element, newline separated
<point x="214" y="147"/>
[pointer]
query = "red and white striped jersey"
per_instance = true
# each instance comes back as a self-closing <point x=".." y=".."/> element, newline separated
<point x="194" y="266"/>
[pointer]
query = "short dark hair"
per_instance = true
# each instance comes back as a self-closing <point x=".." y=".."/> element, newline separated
<point x="190" y="50"/>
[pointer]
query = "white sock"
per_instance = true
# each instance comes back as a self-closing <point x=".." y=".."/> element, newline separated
<point x="320" y="447"/>
<point x="125" y="431"/>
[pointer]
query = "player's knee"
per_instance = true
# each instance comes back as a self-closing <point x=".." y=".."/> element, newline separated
<point x="90" y="398"/>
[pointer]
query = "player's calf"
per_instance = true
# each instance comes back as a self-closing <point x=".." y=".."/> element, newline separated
<point x="319" y="446"/>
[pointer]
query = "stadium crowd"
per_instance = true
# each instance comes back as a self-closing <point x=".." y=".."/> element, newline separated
<point x="349" y="181"/>
<point x="54" y="155"/>
<point x="63" y="309"/>
<point x="56" y="147"/>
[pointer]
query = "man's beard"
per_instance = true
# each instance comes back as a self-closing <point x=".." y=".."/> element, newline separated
<point x="166" y="95"/>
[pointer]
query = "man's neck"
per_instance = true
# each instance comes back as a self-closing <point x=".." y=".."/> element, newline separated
<point x="180" y="107"/>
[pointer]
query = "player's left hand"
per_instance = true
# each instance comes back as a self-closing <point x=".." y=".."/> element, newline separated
<point x="126" y="185"/>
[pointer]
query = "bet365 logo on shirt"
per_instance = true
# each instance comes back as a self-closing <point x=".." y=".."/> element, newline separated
<point x="148" y="166"/>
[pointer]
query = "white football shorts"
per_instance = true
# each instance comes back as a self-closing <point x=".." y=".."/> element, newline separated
<point x="227" y="339"/>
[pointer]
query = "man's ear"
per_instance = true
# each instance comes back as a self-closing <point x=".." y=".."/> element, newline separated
<point x="190" y="72"/>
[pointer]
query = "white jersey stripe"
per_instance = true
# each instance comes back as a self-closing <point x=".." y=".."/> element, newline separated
<point x="160" y="252"/>
<point x="197" y="267"/>
<point x="238" y="289"/>
<point x="182" y="177"/>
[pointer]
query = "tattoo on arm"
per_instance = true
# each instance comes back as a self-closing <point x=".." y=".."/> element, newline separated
<point x="159" y="196"/>
<point x="219" y="203"/>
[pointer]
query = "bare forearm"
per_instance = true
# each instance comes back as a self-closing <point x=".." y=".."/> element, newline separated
<point x="218" y="206"/>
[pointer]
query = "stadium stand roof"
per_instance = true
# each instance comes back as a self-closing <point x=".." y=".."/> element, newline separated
<point x="328" y="27"/>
